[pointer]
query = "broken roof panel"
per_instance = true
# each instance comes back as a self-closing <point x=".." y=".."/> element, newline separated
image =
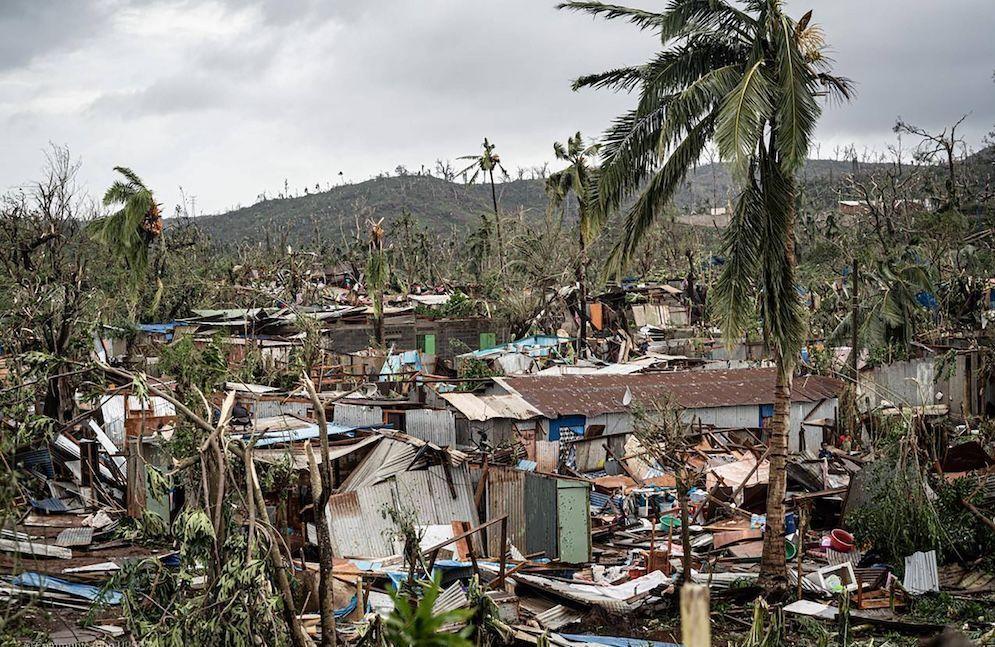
<point x="490" y="407"/>
<point x="593" y="395"/>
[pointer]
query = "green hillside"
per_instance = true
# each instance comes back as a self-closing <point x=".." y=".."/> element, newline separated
<point x="440" y="205"/>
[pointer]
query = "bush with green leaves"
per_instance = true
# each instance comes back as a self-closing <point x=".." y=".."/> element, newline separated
<point x="167" y="607"/>
<point x="899" y="516"/>
<point x="415" y="623"/>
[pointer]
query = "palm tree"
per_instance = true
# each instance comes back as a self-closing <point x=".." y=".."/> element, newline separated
<point x="891" y="308"/>
<point x="578" y="178"/>
<point x="131" y="230"/>
<point x="746" y="76"/>
<point x="377" y="276"/>
<point x="485" y="164"/>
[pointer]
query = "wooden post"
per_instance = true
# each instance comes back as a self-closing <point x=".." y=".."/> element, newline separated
<point x="696" y="630"/>
<point x="504" y="549"/>
<point x="802" y="522"/>
<point x="136" y="490"/>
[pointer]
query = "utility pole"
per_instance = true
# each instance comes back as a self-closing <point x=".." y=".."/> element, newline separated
<point x="855" y="320"/>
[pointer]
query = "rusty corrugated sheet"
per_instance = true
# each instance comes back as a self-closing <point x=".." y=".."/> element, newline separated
<point x="357" y="524"/>
<point x="506" y="495"/>
<point x="437" y="426"/>
<point x="593" y="395"/>
<point x="426" y="493"/>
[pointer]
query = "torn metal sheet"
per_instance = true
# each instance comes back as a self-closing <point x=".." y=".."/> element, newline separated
<point x="35" y="549"/>
<point x="559" y="616"/>
<point x="75" y="537"/>
<point x="921" y="575"/>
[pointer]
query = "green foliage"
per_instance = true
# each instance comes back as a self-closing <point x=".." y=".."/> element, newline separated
<point x="194" y="365"/>
<point x="943" y="608"/>
<point x="459" y="306"/>
<point x="898" y="517"/>
<point x="165" y="607"/>
<point x="416" y="625"/>
<point x="966" y="535"/>
<point x="130" y="230"/>
<point x="277" y="477"/>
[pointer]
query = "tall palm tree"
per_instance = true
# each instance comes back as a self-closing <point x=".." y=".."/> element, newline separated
<point x="746" y="76"/>
<point x="377" y="276"/>
<point x="131" y="230"/>
<point x="486" y="163"/>
<point x="579" y="178"/>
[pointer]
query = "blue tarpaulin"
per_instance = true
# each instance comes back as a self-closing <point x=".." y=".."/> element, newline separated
<point x="49" y="583"/>
<point x="347" y="609"/>
<point x="294" y="435"/>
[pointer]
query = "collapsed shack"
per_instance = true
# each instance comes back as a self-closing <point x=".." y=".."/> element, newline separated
<point x="560" y="538"/>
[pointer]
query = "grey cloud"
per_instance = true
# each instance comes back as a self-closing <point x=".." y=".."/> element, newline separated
<point x="312" y="87"/>
<point x="166" y="96"/>
<point x="33" y="28"/>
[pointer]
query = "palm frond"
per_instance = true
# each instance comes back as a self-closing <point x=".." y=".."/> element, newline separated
<point x="797" y="109"/>
<point x="735" y="287"/>
<point x="622" y="78"/>
<point x="131" y="176"/>
<point x="781" y="310"/>
<point x="642" y="19"/>
<point x="659" y="191"/>
<point x="743" y="115"/>
<point x="684" y="17"/>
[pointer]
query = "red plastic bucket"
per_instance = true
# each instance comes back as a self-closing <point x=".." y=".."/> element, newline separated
<point x="841" y="540"/>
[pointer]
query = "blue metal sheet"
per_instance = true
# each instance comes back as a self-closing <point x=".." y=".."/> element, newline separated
<point x="49" y="583"/>
<point x="50" y="504"/>
<point x="294" y="435"/>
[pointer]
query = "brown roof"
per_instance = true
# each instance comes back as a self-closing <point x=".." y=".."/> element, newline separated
<point x="592" y="395"/>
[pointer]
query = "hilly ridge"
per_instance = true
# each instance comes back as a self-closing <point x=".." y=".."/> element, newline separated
<point x="440" y="205"/>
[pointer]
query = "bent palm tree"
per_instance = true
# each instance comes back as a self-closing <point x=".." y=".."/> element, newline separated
<point x="485" y="164"/>
<point x="131" y="230"/>
<point x="892" y="308"/>
<point x="578" y="178"/>
<point x="746" y="76"/>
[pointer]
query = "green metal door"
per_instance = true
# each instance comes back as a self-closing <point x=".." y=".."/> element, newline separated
<point x="573" y="507"/>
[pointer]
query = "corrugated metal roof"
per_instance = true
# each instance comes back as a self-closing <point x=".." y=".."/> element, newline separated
<point x="490" y="407"/>
<point x="921" y="575"/>
<point x="593" y="395"/>
<point x="437" y="426"/>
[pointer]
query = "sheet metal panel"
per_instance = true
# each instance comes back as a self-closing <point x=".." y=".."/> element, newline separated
<point x="506" y="495"/>
<point x="437" y="426"/>
<point x="427" y="494"/>
<point x="357" y="524"/>
<point x="357" y="415"/>
<point x="540" y="515"/>
<point x="387" y="459"/>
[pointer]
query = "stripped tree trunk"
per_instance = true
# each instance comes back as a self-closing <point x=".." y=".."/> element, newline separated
<point x="773" y="571"/>
<point x="326" y="598"/>
<point x="497" y="223"/>
<point x="582" y="292"/>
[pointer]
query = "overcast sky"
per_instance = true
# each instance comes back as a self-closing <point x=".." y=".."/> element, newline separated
<point x="227" y="98"/>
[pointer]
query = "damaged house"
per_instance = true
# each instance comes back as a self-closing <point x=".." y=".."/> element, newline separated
<point x="596" y="412"/>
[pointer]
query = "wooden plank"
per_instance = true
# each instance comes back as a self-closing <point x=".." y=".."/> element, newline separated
<point x="35" y="549"/>
<point x="696" y="629"/>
